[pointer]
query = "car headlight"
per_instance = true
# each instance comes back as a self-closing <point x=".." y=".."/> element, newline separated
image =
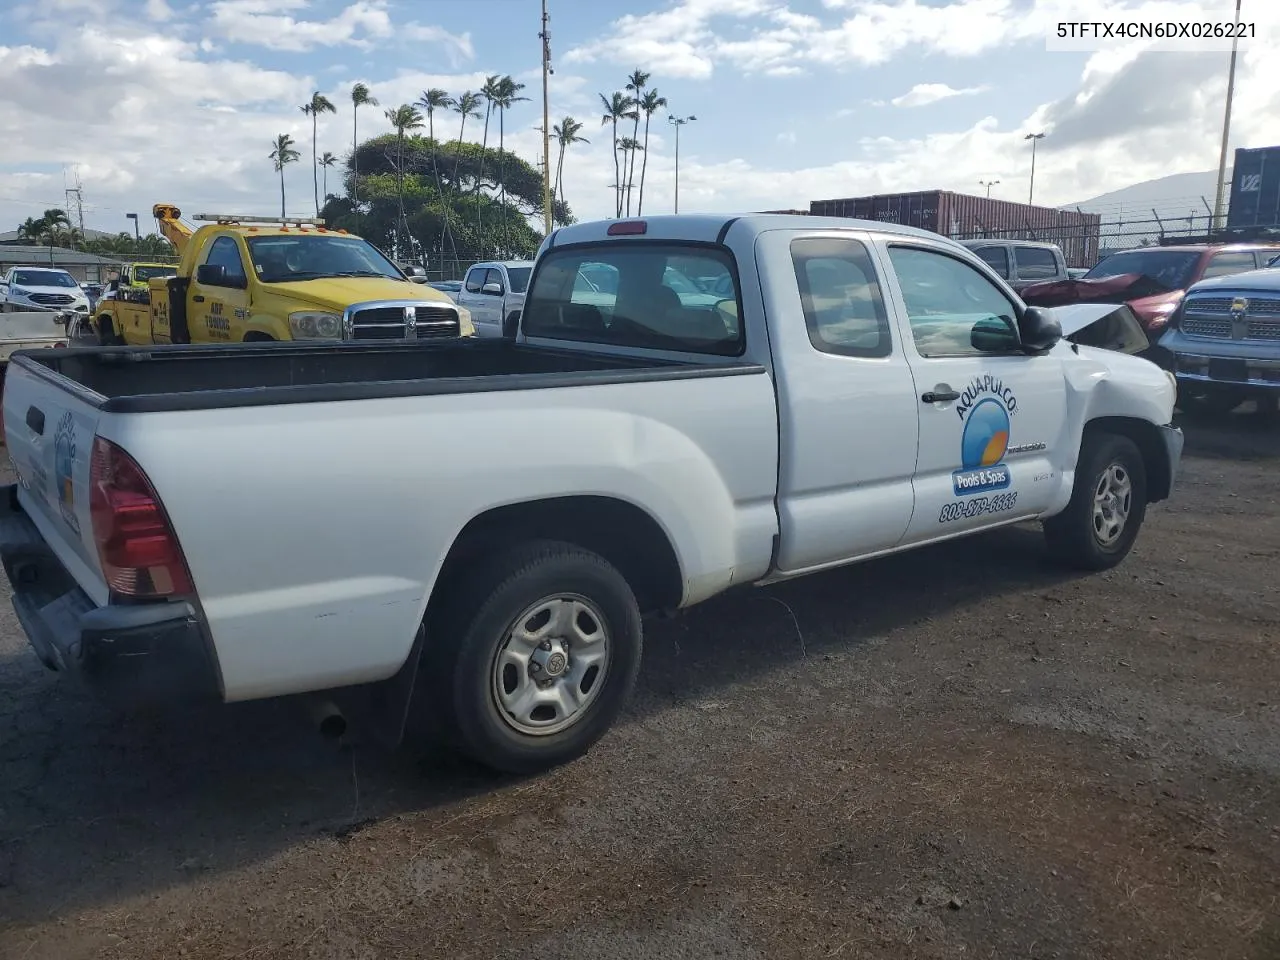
<point x="315" y="325"/>
<point x="465" y="327"/>
<point x="19" y="291"/>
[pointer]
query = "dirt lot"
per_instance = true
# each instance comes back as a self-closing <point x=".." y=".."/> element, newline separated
<point x="961" y="752"/>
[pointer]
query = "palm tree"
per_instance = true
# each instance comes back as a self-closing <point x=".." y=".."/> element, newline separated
<point x="508" y="96"/>
<point x="282" y="153"/>
<point x="628" y="147"/>
<point x="326" y="161"/>
<point x="404" y="117"/>
<point x="31" y="229"/>
<point x="650" y="104"/>
<point x="490" y="92"/>
<point x="467" y="105"/>
<point x="319" y="104"/>
<point x="635" y="85"/>
<point x="615" y="108"/>
<point x="566" y="134"/>
<point x="431" y="101"/>
<point x="360" y="97"/>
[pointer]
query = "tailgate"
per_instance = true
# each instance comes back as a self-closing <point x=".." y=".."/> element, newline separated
<point x="50" y="431"/>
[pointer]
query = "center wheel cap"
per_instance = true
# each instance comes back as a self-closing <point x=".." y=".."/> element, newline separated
<point x="550" y="660"/>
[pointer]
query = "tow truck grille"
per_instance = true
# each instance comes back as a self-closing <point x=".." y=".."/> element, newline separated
<point x="429" y="322"/>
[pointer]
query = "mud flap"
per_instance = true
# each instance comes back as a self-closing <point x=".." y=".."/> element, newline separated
<point x="382" y="709"/>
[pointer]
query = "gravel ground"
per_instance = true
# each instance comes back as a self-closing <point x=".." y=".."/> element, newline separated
<point x="961" y="752"/>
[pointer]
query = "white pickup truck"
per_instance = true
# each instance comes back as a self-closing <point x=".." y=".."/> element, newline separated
<point x="479" y="526"/>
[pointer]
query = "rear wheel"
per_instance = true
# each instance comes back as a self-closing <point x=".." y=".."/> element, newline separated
<point x="1108" y="504"/>
<point x="533" y="656"/>
<point x="107" y="335"/>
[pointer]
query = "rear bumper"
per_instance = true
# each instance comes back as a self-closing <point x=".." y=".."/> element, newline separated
<point x="145" y="653"/>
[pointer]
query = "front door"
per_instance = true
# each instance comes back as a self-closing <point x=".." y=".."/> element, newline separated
<point x="991" y="417"/>
<point x="846" y="401"/>
<point x="219" y="312"/>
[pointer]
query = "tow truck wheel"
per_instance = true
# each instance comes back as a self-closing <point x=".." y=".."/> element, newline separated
<point x="1108" y="504"/>
<point x="533" y="656"/>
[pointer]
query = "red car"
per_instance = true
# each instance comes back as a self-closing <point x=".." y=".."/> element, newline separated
<point x="1152" y="280"/>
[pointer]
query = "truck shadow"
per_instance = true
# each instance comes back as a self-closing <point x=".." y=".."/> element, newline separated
<point x="95" y="807"/>
<point x="1243" y="435"/>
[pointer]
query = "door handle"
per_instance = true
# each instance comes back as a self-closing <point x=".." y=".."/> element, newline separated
<point x="939" y="396"/>
<point x="197" y="299"/>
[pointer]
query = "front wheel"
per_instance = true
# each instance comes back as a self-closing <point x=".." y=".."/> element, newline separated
<point x="534" y="656"/>
<point x="1108" y="504"/>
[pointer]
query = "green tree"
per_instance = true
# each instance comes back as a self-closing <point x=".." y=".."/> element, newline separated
<point x="319" y="104"/>
<point x="490" y="92"/>
<point x="566" y="134"/>
<point x="616" y="107"/>
<point x="431" y="101"/>
<point x="467" y="105"/>
<point x="650" y="104"/>
<point x="508" y="96"/>
<point x="636" y="84"/>
<point x="282" y="154"/>
<point x="360" y="97"/>
<point x="404" y="117"/>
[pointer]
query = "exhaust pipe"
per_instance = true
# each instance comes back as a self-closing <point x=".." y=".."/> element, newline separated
<point x="328" y="719"/>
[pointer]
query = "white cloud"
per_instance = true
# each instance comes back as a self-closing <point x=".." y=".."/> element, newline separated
<point x="159" y="11"/>
<point x="923" y="94"/>
<point x="788" y="137"/>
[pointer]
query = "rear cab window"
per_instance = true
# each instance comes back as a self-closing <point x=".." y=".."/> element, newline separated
<point x="1036" y="263"/>
<point x="643" y="294"/>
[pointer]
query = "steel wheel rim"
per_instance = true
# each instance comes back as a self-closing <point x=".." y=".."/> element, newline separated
<point x="551" y="665"/>
<point x="1112" y="501"/>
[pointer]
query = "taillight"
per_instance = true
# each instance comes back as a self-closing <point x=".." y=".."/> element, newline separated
<point x="138" y="550"/>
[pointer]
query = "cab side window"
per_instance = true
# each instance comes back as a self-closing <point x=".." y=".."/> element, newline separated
<point x="224" y="253"/>
<point x="953" y="309"/>
<point x="1224" y="264"/>
<point x="475" y="279"/>
<point x="1035" y="263"/>
<point x="494" y="275"/>
<point x="840" y="296"/>
<point x="997" y="258"/>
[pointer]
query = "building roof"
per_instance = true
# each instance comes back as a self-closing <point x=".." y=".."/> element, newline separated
<point x="18" y="253"/>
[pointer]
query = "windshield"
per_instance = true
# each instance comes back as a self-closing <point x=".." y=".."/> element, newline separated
<point x="1172" y="269"/>
<point x="637" y="295"/>
<point x="308" y="257"/>
<point x="142" y="274"/>
<point x="43" y="278"/>
<point x="519" y="277"/>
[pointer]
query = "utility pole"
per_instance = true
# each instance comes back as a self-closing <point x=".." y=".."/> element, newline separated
<point x="988" y="184"/>
<point x="546" y="120"/>
<point x="1226" y="129"/>
<point x="137" y="234"/>
<point x="679" y="122"/>
<point x="1031" y="191"/>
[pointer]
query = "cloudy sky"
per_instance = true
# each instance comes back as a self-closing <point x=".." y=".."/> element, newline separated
<point x="796" y="100"/>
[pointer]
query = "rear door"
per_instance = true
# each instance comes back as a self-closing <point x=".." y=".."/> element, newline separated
<point x="49" y="432"/>
<point x="991" y="417"/>
<point x="846" y="401"/>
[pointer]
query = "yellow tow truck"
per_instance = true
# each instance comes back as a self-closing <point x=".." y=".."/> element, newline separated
<point x="260" y="278"/>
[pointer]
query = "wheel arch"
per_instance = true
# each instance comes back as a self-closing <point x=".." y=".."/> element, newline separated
<point x="1146" y="437"/>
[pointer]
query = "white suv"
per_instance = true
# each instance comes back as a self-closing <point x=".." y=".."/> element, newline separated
<point x="41" y="288"/>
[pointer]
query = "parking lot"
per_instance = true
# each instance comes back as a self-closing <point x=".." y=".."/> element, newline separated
<point x="959" y="752"/>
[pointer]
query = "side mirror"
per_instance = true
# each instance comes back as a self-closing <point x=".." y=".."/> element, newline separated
<point x="211" y="275"/>
<point x="994" y="335"/>
<point x="492" y="289"/>
<point x="1039" y="330"/>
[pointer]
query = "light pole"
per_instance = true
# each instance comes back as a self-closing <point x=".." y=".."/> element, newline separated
<point x="547" y="217"/>
<point x="1033" y="137"/>
<point x="1226" y="130"/>
<point x="988" y="184"/>
<point x="679" y="122"/>
<point x="137" y="234"/>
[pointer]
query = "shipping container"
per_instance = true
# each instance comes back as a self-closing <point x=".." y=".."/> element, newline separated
<point x="964" y="217"/>
<point x="1255" y="188"/>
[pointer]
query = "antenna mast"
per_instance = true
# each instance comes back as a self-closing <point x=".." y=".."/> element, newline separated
<point x="74" y="200"/>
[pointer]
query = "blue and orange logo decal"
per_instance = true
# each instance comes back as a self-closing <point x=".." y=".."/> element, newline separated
<point x="986" y="406"/>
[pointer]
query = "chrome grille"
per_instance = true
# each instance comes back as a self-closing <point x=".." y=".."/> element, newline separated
<point x="52" y="299"/>
<point x="1198" y="326"/>
<point x="1209" y="305"/>
<point x="407" y="321"/>
<point x="1262" y="329"/>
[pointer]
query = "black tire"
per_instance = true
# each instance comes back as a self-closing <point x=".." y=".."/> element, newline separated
<point x="1073" y="535"/>
<point x="466" y="637"/>
<point x="107" y="335"/>
<point x="1210" y="401"/>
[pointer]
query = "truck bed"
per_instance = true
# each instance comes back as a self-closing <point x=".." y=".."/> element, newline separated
<point x="184" y="377"/>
